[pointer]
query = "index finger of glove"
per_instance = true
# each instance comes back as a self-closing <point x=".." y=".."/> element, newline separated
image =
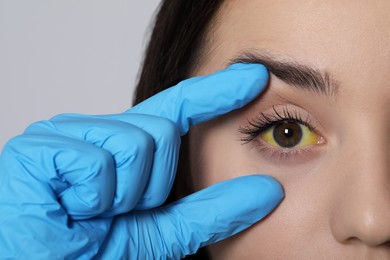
<point x="199" y="99"/>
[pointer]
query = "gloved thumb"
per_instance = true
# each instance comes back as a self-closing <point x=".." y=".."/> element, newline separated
<point x="218" y="212"/>
<point x="202" y="218"/>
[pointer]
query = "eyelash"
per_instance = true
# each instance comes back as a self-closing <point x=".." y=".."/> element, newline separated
<point x="265" y="121"/>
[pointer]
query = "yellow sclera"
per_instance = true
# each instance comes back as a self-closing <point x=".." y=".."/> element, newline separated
<point x="308" y="137"/>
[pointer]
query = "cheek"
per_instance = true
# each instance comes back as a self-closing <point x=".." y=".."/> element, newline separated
<point x="297" y="229"/>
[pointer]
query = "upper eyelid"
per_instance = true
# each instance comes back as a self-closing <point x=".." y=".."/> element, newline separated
<point x="285" y="114"/>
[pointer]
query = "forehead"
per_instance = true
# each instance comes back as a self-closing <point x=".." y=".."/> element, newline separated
<point x="350" y="39"/>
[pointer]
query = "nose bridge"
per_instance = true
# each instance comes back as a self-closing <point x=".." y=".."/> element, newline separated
<point x="361" y="206"/>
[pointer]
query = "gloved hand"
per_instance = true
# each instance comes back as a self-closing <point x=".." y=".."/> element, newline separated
<point x="82" y="186"/>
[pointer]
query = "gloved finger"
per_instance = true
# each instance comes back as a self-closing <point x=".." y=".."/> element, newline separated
<point x="199" y="99"/>
<point x="130" y="147"/>
<point x="80" y="175"/>
<point x="216" y="213"/>
<point x="167" y="140"/>
<point x="203" y="218"/>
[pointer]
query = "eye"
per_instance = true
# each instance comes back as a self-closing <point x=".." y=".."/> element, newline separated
<point x="289" y="134"/>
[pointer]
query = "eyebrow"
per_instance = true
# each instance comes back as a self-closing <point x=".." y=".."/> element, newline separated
<point x="295" y="74"/>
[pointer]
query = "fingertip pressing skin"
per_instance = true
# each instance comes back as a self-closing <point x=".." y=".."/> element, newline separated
<point x="197" y="220"/>
<point x="247" y="198"/>
<point x="219" y="211"/>
<point x="186" y="103"/>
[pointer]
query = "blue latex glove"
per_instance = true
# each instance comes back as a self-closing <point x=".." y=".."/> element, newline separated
<point x="65" y="182"/>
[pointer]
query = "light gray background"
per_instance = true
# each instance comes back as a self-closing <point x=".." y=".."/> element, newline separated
<point x="79" y="56"/>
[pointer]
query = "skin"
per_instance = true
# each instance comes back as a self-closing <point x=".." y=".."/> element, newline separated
<point x="337" y="195"/>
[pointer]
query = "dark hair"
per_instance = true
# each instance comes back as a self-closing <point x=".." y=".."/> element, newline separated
<point x="174" y="48"/>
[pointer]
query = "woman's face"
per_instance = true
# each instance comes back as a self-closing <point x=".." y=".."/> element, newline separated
<point x="322" y="128"/>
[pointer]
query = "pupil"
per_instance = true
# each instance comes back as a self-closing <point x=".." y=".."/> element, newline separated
<point x="287" y="134"/>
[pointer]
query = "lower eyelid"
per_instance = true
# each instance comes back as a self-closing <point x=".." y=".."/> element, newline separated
<point x="296" y="156"/>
